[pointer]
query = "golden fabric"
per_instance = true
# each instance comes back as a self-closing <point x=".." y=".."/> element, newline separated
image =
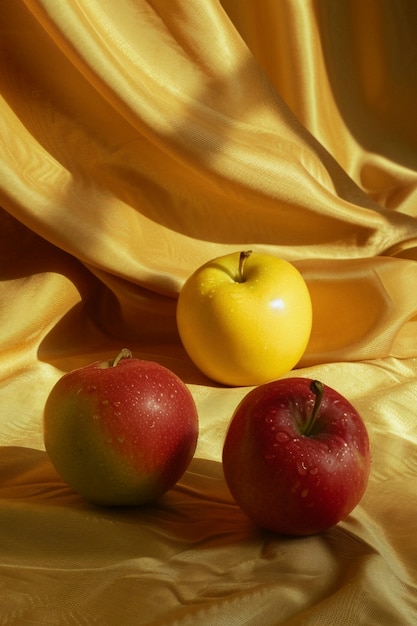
<point x="139" y="139"/>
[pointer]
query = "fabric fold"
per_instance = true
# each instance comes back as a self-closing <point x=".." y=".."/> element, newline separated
<point x="137" y="142"/>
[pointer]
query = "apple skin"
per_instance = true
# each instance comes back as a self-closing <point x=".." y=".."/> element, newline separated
<point x="120" y="432"/>
<point x="245" y="323"/>
<point x="289" y="482"/>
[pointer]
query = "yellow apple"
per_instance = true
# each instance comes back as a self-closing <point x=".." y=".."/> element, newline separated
<point x="245" y="318"/>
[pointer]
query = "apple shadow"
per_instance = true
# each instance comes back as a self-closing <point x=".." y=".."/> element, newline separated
<point x="198" y="513"/>
<point x="198" y="510"/>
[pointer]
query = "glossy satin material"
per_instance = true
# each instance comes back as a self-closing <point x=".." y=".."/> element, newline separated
<point x="136" y="143"/>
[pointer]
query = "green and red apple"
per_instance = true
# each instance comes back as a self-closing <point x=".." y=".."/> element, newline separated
<point x="296" y="456"/>
<point x="120" y="432"/>
<point x="245" y="318"/>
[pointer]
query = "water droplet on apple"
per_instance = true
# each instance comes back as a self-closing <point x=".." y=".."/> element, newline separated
<point x="301" y="468"/>
<point x="282" y="437"/>
<point x="91" y="388"/>
<point x="116" y="403"/>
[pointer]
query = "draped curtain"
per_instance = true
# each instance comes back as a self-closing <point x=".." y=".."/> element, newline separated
<point x="138" y="140"/>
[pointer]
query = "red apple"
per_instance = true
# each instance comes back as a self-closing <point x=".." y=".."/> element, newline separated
<point x="120" y="432"/>
<point x="296" y="456"/>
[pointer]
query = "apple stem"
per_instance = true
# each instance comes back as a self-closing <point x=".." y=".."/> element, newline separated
<point x="125" y="353"/>
<point x="242" y="260"/>
<point x="317" y="388"/>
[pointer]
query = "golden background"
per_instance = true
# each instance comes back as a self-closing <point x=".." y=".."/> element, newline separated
<point x="139" y="139"/>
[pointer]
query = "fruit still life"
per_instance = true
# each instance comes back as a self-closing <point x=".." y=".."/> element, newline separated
<point x="296" y="453"/>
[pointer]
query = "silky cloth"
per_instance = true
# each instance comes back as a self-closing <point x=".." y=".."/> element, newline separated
<point x="139" y="139"/>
